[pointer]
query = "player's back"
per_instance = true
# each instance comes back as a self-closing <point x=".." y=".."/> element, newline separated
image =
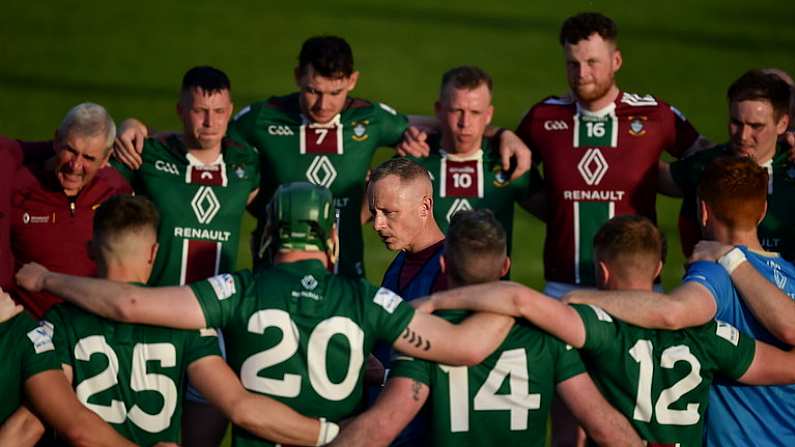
<point x="505" y="399"/>
<point x="660" y="379"/>
<point x="299" y="334"/>
<point x="130" y="375"/>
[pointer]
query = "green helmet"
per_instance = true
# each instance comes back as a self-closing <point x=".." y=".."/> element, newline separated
<point x="300" y="217"/>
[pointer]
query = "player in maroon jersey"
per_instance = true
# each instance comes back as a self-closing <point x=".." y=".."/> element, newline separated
<point x="599" y="147"/>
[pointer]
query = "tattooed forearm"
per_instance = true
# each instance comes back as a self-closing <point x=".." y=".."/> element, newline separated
<point x="416" y="339"/>
<point x="415" y="390"/>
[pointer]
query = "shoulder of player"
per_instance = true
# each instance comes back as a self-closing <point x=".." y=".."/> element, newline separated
<point x="236" y="150"/>
<point x="644" y="103"/>
<point x="275" y="107"/>
<point x="551" y="105"/>
<point x="359" y="108"/>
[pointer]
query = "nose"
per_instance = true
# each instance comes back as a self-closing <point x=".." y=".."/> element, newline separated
<point x="463" y="120"/>
<point x="378" y="221"/>
<point x="207" y="119"/>
<point x="320" y="102"/>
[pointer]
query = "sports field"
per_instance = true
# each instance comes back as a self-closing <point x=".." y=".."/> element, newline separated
<point x="131" y="58"/>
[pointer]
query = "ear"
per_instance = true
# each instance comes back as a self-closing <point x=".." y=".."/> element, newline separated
<point x="443" y="263"/>
<point x="352" y="80"/>
<point x="427" y="206"/>
<point x="659" y="269"/>
<point x="153" y="253"/>
<point x="783" y="124"/>
<point x="489" y="114"/>
<point x="703" y="213"/>
<point x="605" y="274"/>
<point x="618" y="60"/>
<point x="506" y="266"/>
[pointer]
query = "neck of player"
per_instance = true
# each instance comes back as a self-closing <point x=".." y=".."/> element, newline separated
<point x="430" y="235"/>
<point x="461" y="149"/>
<point x="204" y="155"/>
<point x="287" y="257"/>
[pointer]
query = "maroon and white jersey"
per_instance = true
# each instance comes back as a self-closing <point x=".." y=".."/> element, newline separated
<point x="597" y="165"/>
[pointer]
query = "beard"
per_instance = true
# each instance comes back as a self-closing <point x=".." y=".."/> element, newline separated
<point x="593" y="91"/>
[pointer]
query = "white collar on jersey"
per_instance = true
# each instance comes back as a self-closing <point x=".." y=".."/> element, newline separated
<point x="335" y="122"/>
<point x="476" y="155"/>
<point x="606" y="110"/>
<point x="193" y="161"/>
<point x="769" y="168"/>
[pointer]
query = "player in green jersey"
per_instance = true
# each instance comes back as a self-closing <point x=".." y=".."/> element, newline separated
<point x="31" y="370"/>
<point x="201" y="182"/>
<point x="659" y="379"/>
<point x="466" y="170"/>
<point x="132" y="375"/>
<point x="758" y="117"/>
<point x="321" y="135"/>
<point x="295" y="331"/>
<point x="515" y="383"/>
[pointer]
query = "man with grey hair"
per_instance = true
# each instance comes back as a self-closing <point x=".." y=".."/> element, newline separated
<point x="53" y="198"/>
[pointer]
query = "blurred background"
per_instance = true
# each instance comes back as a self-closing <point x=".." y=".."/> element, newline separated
<point x="131" y="56"/>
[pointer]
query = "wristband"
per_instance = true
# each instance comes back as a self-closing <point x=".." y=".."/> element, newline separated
<point x="732" y="259"/>
<point x="328" y="431"/>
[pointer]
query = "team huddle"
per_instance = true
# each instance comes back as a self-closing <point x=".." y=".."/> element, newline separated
<point x="121" y="246"/>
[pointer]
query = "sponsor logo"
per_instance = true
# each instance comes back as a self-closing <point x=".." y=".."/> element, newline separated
<point x="321" y="172"/>
<point x="602" y="195"/>
<point x="458" y="205"/>
<point x="202" y="233"/>
<point x="592" y="166"/>
<point x="282" y="131"/>
<point x="637" y="125"/>
<point x="728" y="332"/>
<point x="205" y="205"/>
<point x="169" y="168"/>
<point x="360" y="130"/>
<point x="223" y="286"/>
<point x="27" y="218"/>
<point x="387" y="299"/>
<point x="41" y="337"/>
<point x="309" y="282"/>
<point x="555" y="125"/>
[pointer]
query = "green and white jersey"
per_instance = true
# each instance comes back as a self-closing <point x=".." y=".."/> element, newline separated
<point x="27" y="349"/>
<point x="660" y="379"/>
<point x="503" y="401"/>
<point x="336" y="155"/>
<point x="301" y="335"/>
<point x="472" y="182"/>
<point x="201" y="206"/>
<point x="130" y="375"/>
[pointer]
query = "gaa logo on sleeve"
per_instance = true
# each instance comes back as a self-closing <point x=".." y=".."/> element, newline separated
<point x="223" y="286"/>
<point x="387" y="299"/>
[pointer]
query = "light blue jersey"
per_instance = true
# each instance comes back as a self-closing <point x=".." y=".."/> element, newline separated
<point x="740" y="415"/>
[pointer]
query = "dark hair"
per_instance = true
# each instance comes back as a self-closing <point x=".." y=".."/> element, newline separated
<point x="757" y="85"/>
<point x="209" y="79"/>
<point x="583" y="25"/>
<point x="122" y="214"/>
<point x="475" y="247"/>
<point x="632" y="237"/>
<point x="330" y="57"/>
<point x="406" y="170"/>
<point x="467" y="77"/>
<point x="735" y="189"/>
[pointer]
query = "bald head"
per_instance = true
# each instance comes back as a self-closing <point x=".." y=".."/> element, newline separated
<point x="400" y="197"/>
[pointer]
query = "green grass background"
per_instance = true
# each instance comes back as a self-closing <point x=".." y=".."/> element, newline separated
<point x="130" y="57"/>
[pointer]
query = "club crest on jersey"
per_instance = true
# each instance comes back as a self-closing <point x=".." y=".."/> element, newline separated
<point x="501" y="178"/>
<point x="637" y="126"/>
<point x="360" y="130"/>
<point x="240" y="172"/>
